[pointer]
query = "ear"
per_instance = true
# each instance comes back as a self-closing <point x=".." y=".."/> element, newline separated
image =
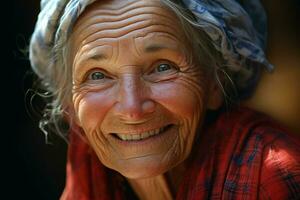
<point x="215" y="96"/>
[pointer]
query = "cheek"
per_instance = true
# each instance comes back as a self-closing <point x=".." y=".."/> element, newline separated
<point x="181" y="97"/>
<point x="91" y="109"/>
<point x="186" y="99"/>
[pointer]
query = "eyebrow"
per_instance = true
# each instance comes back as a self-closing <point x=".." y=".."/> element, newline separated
<point x="98" y="57"/>
<point x="156" y="47"/>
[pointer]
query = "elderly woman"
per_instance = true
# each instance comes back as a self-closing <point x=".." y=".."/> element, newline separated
<point x="149" y="90"/>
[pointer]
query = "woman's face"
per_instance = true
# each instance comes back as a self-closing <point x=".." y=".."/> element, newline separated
<point x="135" y="95"/>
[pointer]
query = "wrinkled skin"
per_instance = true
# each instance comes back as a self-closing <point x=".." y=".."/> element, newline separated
<point x="131" y="75"/>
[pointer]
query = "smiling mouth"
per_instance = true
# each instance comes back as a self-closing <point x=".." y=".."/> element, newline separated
<point x="143" y="135"/>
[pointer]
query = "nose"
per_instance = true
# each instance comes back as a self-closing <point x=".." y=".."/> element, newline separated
<point x="134" y="104"/>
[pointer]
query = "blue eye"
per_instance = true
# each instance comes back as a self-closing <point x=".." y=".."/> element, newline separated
<point x="163" y="67"/>
<point x="97" y="76"/>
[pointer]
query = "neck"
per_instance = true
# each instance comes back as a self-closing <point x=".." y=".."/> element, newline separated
<point x="164" y="186"/>
<point x="151" y="188"/>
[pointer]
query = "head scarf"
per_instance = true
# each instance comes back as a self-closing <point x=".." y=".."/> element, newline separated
<point x="237" y="29"/>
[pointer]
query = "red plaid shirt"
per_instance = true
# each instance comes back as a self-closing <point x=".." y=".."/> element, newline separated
<point x="243" y="155"/>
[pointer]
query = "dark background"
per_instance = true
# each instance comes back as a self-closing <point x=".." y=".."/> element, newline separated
<point x="32" y="168"/>
<point x="35" y="170"/>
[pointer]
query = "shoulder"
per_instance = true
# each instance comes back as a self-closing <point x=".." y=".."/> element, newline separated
<point x="243" y="128"/>
<point x="247" y="124"/>
<point x="271" y="152"/>
<point x="280" y="168"/>
<point x="245" y="155"/>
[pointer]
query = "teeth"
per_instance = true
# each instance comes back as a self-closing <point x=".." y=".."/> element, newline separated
<point x="133" y="137"/>
<point x="136" y="137"/>
<point x="152" y="132"/>
<point x="145" y="135"/>
<point x="123" y="137"/>
<point x="157" y="131"/>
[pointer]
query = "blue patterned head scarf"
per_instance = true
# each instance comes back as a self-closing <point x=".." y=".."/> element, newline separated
<point x="237" y="29"/>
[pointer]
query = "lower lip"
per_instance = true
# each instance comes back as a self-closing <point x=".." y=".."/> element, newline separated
<point x="154" y="139"/>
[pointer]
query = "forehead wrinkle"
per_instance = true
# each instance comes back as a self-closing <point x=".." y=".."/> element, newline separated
<point x="123" y="16"/>
<point x="135" y="37"/>
<point x="105" y="10"/>
<point x="115" y="27"/>
<point x="89" y="35"/>
<point x="138" y="32"/>
<point x="164" y="34"/>
<point x="99" y="22"/>
<point x="121" y="22"/>
<point x="112" y="9"/>
<point x="142" y="30"/>
<point x="99" y="8"/>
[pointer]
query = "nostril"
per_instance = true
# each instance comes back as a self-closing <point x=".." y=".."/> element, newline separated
<point x="135" y="111"/>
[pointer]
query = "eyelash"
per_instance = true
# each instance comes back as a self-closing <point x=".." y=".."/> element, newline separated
<point x="95" y="73"/>
<point x="88" y="76"/>
<point x="171" y="66"/>
<point x="154" y="69"/>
